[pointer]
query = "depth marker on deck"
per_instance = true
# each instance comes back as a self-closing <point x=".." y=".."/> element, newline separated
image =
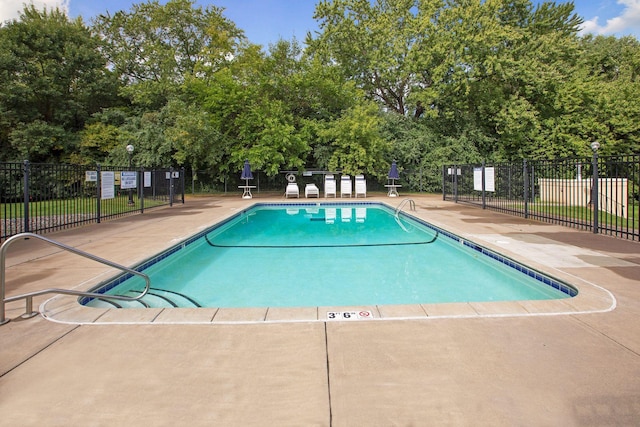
<point x="349" y="315"/>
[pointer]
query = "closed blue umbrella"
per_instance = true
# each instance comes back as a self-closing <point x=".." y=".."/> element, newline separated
<point x="393" y="175"/>
<point x="246" y="171"/>
<point x="393" y="172"/>
<point x="246" y="175"/>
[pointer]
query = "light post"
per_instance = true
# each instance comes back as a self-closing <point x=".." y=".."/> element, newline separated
<point x="130" y="151"/>
<point x="595" y="194"/>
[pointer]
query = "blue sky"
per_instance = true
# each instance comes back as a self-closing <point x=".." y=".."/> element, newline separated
<point x="265" y="21"/>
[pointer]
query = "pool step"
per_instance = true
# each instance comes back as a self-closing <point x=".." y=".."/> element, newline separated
<point x="155" y="298"/>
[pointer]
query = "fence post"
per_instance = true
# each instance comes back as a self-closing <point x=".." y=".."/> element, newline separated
<point x="525" y="174"/>
<point x="484" y="199"/>
<point x="455" y="183"/>
<point x="444" y="182"/>
<point x="140" y="183"/>
<point x="98" y="193"/>
<point x="595" y="193"/>
<point x="25" y="193"/>
<point x="182" y="182"/>
<point x="171" y="186"/>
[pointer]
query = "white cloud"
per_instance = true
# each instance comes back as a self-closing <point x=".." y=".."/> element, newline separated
<point x="628" y="22"/>
<point x="10" y="9"/>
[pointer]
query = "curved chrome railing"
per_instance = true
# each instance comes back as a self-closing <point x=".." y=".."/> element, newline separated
<point x="29" y="296"/>
<point x="412" y="205"/>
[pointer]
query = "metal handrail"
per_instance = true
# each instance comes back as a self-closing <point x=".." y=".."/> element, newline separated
<point x="29" y="296"/>
<point x="412" y="205"/>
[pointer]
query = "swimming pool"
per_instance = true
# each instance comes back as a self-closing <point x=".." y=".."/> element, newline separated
<point x="338" y="254"/>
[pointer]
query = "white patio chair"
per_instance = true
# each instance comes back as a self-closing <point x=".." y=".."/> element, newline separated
<point x="345" y="186"/>
<point x="292" y="190"/>
<point x="329" y="186"/>
<point x="361" y="186"/>
<point x="311" y="190"/>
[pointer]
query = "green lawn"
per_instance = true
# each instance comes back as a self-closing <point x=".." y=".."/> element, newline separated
<point x="86" y="205"/>
<point x="583" y="213"/>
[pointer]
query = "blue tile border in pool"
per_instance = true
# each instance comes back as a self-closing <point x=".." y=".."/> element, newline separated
<point x="549" y="281"/>
<point x="546" y="280"/>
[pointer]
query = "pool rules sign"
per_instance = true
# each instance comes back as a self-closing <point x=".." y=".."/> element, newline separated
<point x="349" y="315"/>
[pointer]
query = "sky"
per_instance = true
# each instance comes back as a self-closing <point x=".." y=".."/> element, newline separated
<point x="266" y="21"/>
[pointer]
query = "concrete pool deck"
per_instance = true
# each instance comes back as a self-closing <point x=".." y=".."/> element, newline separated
<point x="568" y="362"/>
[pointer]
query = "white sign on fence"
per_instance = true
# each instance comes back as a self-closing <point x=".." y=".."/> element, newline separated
<point x="489" y="179"/>
<point x="107" y="185"/>
<point x="128" y="180"/>
<point x="477" y="179"/>
<point x="91" y="176"/>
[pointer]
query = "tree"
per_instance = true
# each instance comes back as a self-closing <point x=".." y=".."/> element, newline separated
<point x="249" y="123"/>
<point x="492" y="68"/>
<point x="612" y="68"/>
<point x="154" y="48"/>
<point x="421" y="149"/>
<point x="373" y="44"/>
<point x="53" y="75"/>
<point x="358" y="146"/>
<point x="507" y="67"/>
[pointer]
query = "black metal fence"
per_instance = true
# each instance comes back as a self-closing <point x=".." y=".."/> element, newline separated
<point x="600" y="194"/>
<point x="38" y="197"/>
<point x="413" y="179"/>
<point x="203" y="181"/>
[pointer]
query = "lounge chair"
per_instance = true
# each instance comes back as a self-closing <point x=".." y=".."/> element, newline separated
<point x="292" y="190"/>
<point x="345" y="185"/>
<point x="361" y="186"/>
<point x="311" y="190"/>
<point x="329" y="186"/>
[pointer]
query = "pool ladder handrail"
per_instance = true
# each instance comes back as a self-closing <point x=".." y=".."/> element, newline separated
<point x="29" y="296"/>
<point x="412" y="206"/>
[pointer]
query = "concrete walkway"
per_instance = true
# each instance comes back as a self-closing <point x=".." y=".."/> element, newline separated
<point x="471" y="365"/>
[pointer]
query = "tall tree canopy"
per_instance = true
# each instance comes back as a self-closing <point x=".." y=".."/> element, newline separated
<point x="495" y="64"/>
<point x="421" y="81"/>
<point x="154" y="47"/>
<point x="54" y="78"/>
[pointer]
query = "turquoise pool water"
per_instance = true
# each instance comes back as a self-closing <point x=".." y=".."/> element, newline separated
<point x="330" y="255"/>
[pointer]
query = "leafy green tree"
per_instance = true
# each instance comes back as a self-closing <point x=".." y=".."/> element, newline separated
<point x="356" y="140"/>
<point x="53" y="75"/>
<point x="250" y="126"/>
<point x="373" y="43"/>
<point x="39" y="141"/>
<point x="420" y="150"/>
<point x="509" y="64"/>
<point x="147" y="133"/>
<point x="612" y="67"/>
<point x="97" y="140"/>
<point x="496" y="69"/>
<point x="270" y="109"/>
<point x="154" y="48"/>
